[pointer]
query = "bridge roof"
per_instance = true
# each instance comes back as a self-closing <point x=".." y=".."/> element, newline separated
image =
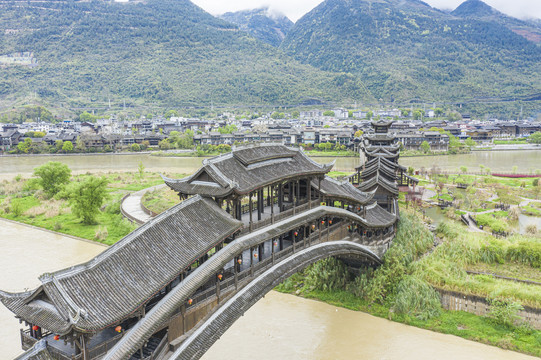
<point x="37" y="352"/>
<point x="343" y="190"/>
<point x="378" y="180"/>
<point x="378" y="167"/>
<point x="379" y="137"/>
<point x="113" y="285"/>
<point x="247" y="169"/>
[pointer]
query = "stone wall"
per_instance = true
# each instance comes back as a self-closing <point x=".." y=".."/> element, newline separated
<point x="477" y="305"/>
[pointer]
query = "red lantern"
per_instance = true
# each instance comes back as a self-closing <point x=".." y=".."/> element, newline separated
<point x="295" y="233"/>
<point x="56" y="337"/>
<point x="220" y="276"/>
<point x="275" y="243"/>
<point x="118" y="329"/>
<point x="313" y="226"/>
<point x="239" y="261"/>
<point x="322" y="222"/>
<point x="35" y="328"/>
<point x="190" y="301"/>
<point x="330" y="222"/>
<point x="255" y="255"/>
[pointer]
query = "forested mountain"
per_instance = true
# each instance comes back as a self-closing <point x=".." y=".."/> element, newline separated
<point x="263" y="24"/>
<point x="162" y="52"/>
<point x="405" y="49"/>
<point x="476" y="9"/>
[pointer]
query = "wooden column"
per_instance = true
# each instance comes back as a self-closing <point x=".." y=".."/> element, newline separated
<point x="262" y="201"/>
<point x="280" y="196"/>
<point x="298" y="198"/>
<point x="250" y="206"/>
<point x="236" y="271"/>
<point x="259" y="204"/>
<point x="272" y="248"/>
<point x="319" y="188"/>
<point x="309" y="192"/>
<point x="271" y="197"/>
<point x="252" y="261"/>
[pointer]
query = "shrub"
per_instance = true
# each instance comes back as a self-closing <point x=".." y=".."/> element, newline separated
<point x="101" y="234"/>
<point x="416" y="298"/>
<point x="531" y="229"/>
<point x="525" y="252"/>
<point x="505" y="312"/>
<point x="16" y="208"/>
<point x="327" y="274"/>
<point x="53" y="176"/>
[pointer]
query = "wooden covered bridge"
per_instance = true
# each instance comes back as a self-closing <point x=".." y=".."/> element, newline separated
<point x="248" y="220"/>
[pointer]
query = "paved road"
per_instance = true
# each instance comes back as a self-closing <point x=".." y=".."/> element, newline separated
<point x="132" y="204"/>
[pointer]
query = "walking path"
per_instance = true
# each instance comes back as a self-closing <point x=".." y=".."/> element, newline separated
<point x="132" y="208"/>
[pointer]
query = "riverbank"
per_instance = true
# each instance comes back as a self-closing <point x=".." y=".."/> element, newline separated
<point x="402" y="288"/>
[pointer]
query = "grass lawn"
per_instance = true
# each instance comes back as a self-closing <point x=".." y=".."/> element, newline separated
<point x="21" y="200"/>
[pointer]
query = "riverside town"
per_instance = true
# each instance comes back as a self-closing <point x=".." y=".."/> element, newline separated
<point x="190" y="179"/>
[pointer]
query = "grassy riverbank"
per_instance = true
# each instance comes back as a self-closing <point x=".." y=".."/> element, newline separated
<point x="402" y="288"/>
<point x="22" y="200"/>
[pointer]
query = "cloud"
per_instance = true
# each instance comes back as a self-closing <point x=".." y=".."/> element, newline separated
<point x="295" y="9"/>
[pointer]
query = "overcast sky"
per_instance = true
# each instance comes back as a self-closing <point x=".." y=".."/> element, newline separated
<point x="294" y="9"/>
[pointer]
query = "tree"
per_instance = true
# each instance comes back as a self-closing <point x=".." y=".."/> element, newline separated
<point x="295" y="114"/>
<point x="80" y="144"/>
<point x="469" y="142"/>
<point x="358" y="133"/>
<point x="53" y="176"/>
<point x="438" y="112"/>
<point x="58" y="144"/>
<point x="86" y="117"/>
<point x="369" y="115"/>
<point x="171" y="113"/>
<point x="535" y="138"/>
<point x="404" y="112"/>
<point x="464" y="169"/>
<point x="328" y="113"/>
<point x="425" y="147"/>
<point x="86" y="198"/>
<point x="141" y="169"/>
<point x="418" y="114"/>
<point x="67" y="146"/>
<point x="135" y="147"/>
<point x="24" y="146"/>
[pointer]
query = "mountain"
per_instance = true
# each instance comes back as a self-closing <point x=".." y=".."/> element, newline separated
<point x="167" y="53"/>
<point x="405" y="50"/>
<point x="263" y="24"/>
<point x="476" y="9"/>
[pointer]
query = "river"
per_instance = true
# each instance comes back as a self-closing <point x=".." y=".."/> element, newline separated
<point x="278" y="326"/>
<point x="503" y="161"/>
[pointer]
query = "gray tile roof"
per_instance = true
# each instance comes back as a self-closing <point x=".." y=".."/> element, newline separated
<point x="37" y="352"/>
<point x="108" y="288"/>
<point x="343" y="190"/>
<point x="248" y="169"/>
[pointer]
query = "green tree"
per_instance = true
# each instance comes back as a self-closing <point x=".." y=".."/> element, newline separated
<point x="135" y="147"/>
<point x="24" y="146"/>
<point x="80" y="144"/>
<point x="87" y="197"/>
<point x="58" y="144"/>
<point x="469" y="142"/>
<point x="438" y="112"/>
<point x="295" y="114"/>
<point x="141" y="169"/>
<point x="86" y="117"/>
<point x="535" y="138"/>
<point x="425" y="147"/>
<point x="404" y="112"/>
<point x="350" y="113"/>
<point x="464" y="169"/>
<point x="67" y="146"/>
<point x="171" y="113"/>
<point x="418" y="114"/>
<point x="358" y="133"/>
<point x="53" y="176"/>
<point x="328" y="113"/>
<point x="369" y="115"/>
